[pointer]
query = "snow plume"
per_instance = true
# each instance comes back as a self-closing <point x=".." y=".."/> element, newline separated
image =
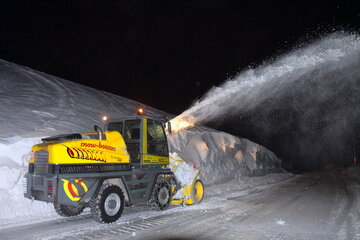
<point x="252" y="87"/>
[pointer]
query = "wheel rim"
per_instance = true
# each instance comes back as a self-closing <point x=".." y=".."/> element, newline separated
<point x="112" y="204"/>
<point x="163" y="196"/>
<point x="198" y="191"/>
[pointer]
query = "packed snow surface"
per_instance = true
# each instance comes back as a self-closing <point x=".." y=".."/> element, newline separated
<point x="35" y="105"/>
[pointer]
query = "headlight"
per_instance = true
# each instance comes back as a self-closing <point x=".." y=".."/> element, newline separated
<point x="31" y="155"/>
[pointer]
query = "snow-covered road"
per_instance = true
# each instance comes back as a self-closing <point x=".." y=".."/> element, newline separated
<point x="317" y="205"/>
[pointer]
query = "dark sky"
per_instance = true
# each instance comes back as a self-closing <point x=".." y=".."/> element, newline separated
<point x="149" y="50"/>
<point x="145" y="50"/>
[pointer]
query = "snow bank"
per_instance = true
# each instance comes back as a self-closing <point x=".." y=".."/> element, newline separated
<point x="14" y="157"/>
<point x="33" y="102"/>
<point x="222" y="157"/>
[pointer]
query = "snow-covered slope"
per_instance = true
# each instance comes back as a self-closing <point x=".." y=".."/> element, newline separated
<point x="35" y="105"/>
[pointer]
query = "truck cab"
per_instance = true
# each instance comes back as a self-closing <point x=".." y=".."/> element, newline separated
<point x="145" y="140"/>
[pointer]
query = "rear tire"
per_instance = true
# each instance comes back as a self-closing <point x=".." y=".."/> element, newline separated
<point x="66" y="211"/>
<point x="161" y="196"/>
<point x="108" y="205"/>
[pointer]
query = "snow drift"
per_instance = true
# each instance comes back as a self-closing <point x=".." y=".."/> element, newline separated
<point x="35" y="105"/>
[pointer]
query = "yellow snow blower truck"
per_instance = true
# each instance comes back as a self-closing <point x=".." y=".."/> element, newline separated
<point x="106" y="170"/>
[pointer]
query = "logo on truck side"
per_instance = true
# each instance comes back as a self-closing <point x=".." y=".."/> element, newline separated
<point x="86" y="154"/>
<point x="103" y="146"/>
<point x="74" y="189"/>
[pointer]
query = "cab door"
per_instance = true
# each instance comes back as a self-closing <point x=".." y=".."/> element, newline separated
<point x="132" y="138"/>
<point x="155" y="146"/>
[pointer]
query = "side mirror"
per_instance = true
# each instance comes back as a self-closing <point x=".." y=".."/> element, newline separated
<point x="169" y="127"/>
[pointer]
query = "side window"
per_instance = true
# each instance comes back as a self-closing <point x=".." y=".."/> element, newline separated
<point x="116" y="126"/>
<point x="132" y="129"/>
<point x="132" y="139"/>
<point x="157" y="144"/>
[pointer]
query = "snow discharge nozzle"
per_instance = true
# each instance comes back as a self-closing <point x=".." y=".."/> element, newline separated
<point x="179" y="123"/>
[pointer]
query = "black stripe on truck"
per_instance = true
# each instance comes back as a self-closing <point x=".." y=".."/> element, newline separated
<point x="85" y="168"/>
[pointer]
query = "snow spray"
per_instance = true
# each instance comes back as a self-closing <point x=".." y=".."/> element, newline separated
<point x="304" y="105"/>
<point x="252" y="87"/>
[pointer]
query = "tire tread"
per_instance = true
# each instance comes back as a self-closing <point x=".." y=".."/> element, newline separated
<point x="95" y="205"/>
<point x="153" y="202"/>
<point x="66" y="211"/>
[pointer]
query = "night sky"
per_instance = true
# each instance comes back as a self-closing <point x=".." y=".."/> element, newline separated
<point x="149" y="50"/>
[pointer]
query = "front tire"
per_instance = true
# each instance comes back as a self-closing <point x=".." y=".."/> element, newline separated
<point x="161" y="196"/>
<point x="66" y="211"/>
<point x="108" y="205"/>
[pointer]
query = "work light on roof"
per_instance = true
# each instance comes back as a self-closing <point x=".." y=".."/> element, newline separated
<point x="140" y="111"/>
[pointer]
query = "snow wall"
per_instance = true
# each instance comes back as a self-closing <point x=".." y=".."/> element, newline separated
<point x="35" y="105"/>
<point x="222" y="157"/>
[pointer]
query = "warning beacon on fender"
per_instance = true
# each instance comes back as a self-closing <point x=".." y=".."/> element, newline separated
<point x="140" y="111"/>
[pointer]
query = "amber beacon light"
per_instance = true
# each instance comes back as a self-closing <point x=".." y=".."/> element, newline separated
<point x="140" y="111"/>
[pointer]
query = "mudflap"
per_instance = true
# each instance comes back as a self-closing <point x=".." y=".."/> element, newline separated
<point x="76" y="192"/>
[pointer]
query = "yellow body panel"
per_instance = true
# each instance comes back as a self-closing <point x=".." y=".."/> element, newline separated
<point x="111" y="150"/>
<point x="152" y="159"/>
<point x="144" y="136"/>
<point x="177" y="201"/>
